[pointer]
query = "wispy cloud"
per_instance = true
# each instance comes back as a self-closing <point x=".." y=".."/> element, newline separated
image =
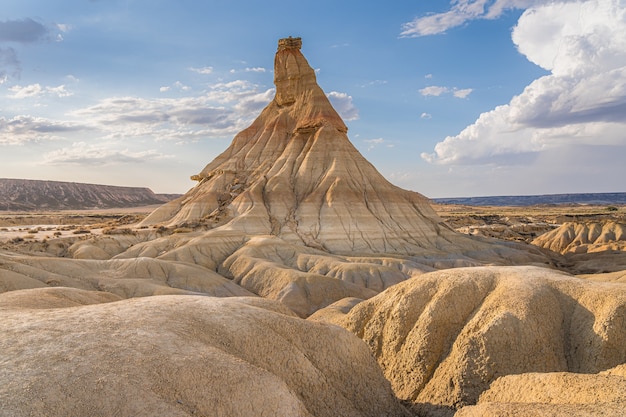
<point x="255" y="69"/>
<point x="81" y="153"/>
<point x="436" y="91"/>
<point x="23" y="129"/>
<point x="23" y="31"/>
<point x="342" y="102"/>
<point x="223" y="110"/>
<point x="463" y="11"/>
<point x="9" y="64"/>
<point x="202" y="70"/>
<point x="373" y="143"/>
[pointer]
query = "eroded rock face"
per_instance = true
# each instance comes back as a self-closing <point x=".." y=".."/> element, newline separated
<point x="575" y="237"/>
<point x="79" y="354"/>
<point x="294" y="174"/>
<point x="553" y="394"/>
<point x="443" y="337"/>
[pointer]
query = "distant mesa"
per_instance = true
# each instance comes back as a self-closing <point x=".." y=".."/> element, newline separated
<point x="37" y="195"/>
<point x="541" y="199"/>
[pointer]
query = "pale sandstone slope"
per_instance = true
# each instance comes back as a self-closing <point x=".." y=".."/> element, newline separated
<point x="443" y="337"/>
<point x="179" y="356"/>
<point x="588" y="247"/>
<point x="576" y="237"/>
<point x="555" y="394"/>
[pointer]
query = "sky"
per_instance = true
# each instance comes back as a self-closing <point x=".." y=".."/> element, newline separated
<point x="448" y="98"/>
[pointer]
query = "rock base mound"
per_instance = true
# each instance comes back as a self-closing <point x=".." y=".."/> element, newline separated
<point x="179" y="356"/>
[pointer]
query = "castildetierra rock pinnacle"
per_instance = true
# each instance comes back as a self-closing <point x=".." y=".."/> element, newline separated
<point x="294" y="174"/>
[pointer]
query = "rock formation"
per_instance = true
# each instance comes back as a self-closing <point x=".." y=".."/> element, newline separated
<point x="33" y="195"/>
<point x="78" y="353"/>
<point x="294" y="174"/>
<point x="588" y="247"/>
<point x="579" y="237"/>
<point x="442" y="338"/>
<point x="556" y="394"/>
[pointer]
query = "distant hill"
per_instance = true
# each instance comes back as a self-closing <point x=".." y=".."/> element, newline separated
<point x="533" y="200"/>
<point x="36" y="195"/>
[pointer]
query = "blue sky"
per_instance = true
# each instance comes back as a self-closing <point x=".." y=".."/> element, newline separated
<point x="461" y="98"/>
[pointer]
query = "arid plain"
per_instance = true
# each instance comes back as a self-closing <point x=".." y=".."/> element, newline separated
<point x="294" y="280"/>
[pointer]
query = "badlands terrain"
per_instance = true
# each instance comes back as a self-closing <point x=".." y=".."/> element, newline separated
<point x="294" y="280"/>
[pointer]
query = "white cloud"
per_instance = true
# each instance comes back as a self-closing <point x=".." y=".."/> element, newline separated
<point x="255" y="69"/>
<point x="462" y="93"/>
<point x="81" y="153"/>
<point x="202" y="70"/>
<point x="32" y="90"/>
<point x="375" y="82"/>
<point x="463" y="11"/>
<point x="372" y="143"/>
<point x="582" y="101"/>
<point x="342" y="102"/>
<point x="436" y="91"/>
<point x="433" y="90"/>
<point x="223" y="110"/>
<point x="426" y="116"/>
<point x="22" y="129"/>
<point x="36" y="90"/>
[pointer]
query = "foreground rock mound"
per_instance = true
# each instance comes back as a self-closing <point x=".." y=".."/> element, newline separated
<point x="442" y="338"/>
<point x="557" y="394"/>
<point x="179" y="356"/>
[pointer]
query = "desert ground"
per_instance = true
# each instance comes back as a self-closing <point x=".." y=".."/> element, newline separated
<point x="294" y="280"/>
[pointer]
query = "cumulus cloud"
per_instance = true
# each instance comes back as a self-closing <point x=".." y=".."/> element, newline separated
<point x="426" y="116"/>
<point x="36" y="90"/>
<point x="436" y="91"/>
<point x="255" y="69"/>
<point x="81" y="153"/>
<point x="342" y="102"/>
<point x="581" y="102"/>
<point x="24" y="128"/>
<point x="223" y="110"/>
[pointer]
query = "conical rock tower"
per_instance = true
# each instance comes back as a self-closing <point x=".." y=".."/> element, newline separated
<point x="294" y="174"/>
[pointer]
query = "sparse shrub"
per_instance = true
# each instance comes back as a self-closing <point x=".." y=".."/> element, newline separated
<point x="183" y="230"/>
<point x="611" y="208"/>
<point x="81" y="232"/>
<point x="116" y="231"/>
